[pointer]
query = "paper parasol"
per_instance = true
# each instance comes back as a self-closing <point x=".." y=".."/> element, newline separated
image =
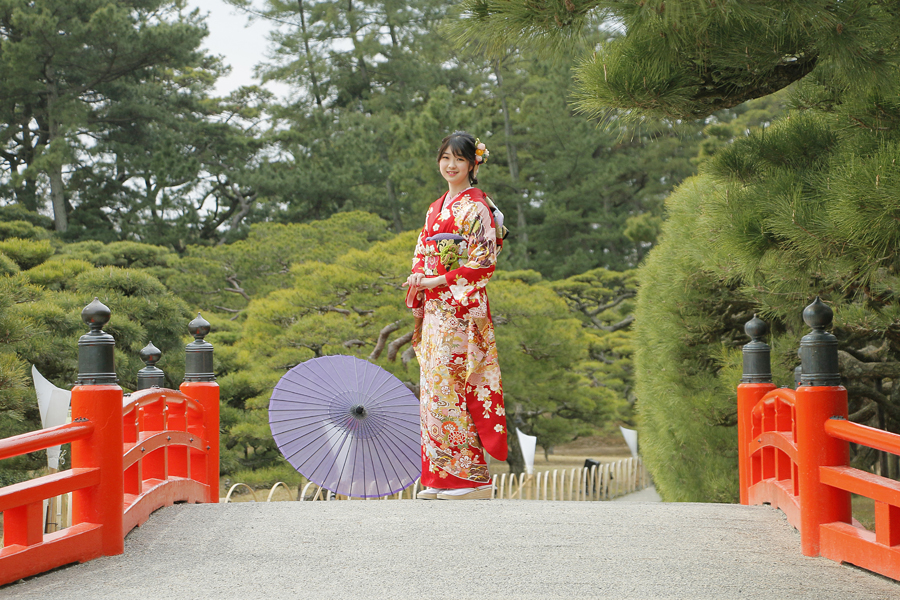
<point x="348" y="426"/>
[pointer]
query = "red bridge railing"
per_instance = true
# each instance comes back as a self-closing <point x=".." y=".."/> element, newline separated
<point x="130" y="456"/>
<point x="795" y="455"/>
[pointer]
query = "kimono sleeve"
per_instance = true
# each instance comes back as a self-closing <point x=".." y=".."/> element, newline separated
<point x="414" y="298"/>
<point x="418" y="262"/>
<point x="475" y="223"/>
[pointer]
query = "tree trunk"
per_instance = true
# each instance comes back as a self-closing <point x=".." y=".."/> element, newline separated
<point x="513" y="160"/>
<point x="27" y="193"/>
<point x="395" y="210"/>
<point x="58" y="198"/>
<point x="54" y="172"/>
<point x="354" y="30"/>
<point x="309" y="61"/>
<point x="514" y="458"/>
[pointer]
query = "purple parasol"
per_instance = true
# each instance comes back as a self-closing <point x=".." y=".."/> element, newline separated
<point x="348" y="426"/>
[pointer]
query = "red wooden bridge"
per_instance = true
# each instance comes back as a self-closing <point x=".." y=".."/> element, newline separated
<point x="132" y="454"/>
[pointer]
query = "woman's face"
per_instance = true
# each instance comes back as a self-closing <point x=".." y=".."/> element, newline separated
<point x="455" y="169"/>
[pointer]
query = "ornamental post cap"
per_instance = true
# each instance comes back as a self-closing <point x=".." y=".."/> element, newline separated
<point x="756" y="328"/>
<point x="818" y="315"/>
<point x="95" y="315"/>
<point x="150" y="354"/>
<point x="199" y="327"/>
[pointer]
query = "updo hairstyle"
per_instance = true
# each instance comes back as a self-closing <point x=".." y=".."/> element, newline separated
<point x="461" y="144"/>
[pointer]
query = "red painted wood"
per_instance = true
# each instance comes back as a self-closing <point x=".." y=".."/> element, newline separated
<point x="24" y="525"/>
<point x="863" y="483"/>
<point x="207" y="394"/>
<point x="797" y="459"/>
<point x="79" y="543"/>
<point x="748" y="395"/>
<point x="43" y="439"/>
<point x="160" y="439"/>
<point x="887" y="524"/>
<point x="102" y="503"/>
<point x="41" y="488"/>
<point x="845" y="543"/>
<point x="162" y="493"/>
<point x="861" y="434"/>
<point x="115" y="485"/>
<point x="782" y="440"/>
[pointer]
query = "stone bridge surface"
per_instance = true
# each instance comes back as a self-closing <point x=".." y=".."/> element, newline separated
<point x="460" y="550"/>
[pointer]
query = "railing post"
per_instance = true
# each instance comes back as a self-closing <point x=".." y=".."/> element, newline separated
<point x="150" y="375"/>
<point x="200" y="384"/>
<point x="755" y="383"/>
<point x="97" y="398"/>
<point x="819" y="398"/>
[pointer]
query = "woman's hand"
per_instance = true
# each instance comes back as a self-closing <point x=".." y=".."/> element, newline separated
<point x="414" y="280"/>
<point x="418" y="280"/>
<point x="433" y="282"/>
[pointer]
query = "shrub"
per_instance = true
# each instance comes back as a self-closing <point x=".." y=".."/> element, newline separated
<point x="17" y="212"/>
<point x="57" y="274"/>
<point x="27" y="253"/>
<point x="23" y="230"/>
<point x="8" y="265"/>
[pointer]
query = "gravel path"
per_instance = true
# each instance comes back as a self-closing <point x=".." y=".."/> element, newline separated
<point x="648" y="494"/>
<point x="475" y="549"/>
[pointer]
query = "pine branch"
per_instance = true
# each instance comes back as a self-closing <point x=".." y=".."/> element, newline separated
<point x="382" y="339"/>
<point x="398" y="343"/>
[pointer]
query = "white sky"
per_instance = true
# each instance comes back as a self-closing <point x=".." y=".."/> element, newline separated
<point x="243" y="44"/>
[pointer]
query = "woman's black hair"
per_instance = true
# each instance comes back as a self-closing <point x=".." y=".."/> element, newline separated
<point x="461" y="144"/>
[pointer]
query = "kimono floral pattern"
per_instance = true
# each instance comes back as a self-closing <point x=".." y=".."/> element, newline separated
<point x="462" y="410"/>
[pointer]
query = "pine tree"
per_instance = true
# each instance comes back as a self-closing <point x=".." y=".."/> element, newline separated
<point x="807" y="206"/>
<point x="63" y="64"/>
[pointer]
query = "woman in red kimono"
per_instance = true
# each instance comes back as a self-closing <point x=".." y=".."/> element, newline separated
<point x="461" y="395"/>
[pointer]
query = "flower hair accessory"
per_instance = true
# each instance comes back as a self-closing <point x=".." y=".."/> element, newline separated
<point x="481" y="152"/>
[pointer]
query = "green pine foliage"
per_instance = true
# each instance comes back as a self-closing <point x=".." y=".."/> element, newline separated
<point x="21" y="230"/>
<point x="40" y="323"/>
<point x="781" y="212"/>
<point x="7" y="265"/>
<point x="26" y="253"/>
<point x="789" y="212"/>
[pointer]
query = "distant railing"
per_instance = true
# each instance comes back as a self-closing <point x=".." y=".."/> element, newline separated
<point x="130" y="455"/>
<point x="598" y="482"/>
<point x="794" y="453"/>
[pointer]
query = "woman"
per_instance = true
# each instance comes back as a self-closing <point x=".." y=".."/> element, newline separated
<point x="461" y="395"/>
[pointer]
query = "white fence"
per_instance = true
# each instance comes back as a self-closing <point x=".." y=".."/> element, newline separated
<point x="600" y="482"/>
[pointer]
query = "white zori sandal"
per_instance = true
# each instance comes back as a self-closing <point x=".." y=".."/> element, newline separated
<point x="485" y="492"/>
<point x="429" y="494"/>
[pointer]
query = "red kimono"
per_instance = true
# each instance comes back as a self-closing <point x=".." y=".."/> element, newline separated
<point x="461" y="394"/>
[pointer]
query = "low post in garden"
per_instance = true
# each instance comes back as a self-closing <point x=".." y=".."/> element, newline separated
<point x="756" y="382"/>
<point x="200" y="384"/>
<point x="820" y="397"/>
<point x="97" y="398"/>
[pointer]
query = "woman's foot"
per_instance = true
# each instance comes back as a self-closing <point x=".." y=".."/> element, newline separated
<point x="429" y="494"/>
<point x="484" y="492"/>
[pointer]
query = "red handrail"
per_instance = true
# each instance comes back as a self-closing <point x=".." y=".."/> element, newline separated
<point x="814" y="445"/>
<point x="142" y="398"/>
<point x="160" y="447"/>
<point x="33" y="441"/>
<point x="768" y="448"/>
<point x="863" y="435"/>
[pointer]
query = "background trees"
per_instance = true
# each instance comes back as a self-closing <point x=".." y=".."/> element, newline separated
<point x="289" y="222"/>
<point x="804" y="207"/>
